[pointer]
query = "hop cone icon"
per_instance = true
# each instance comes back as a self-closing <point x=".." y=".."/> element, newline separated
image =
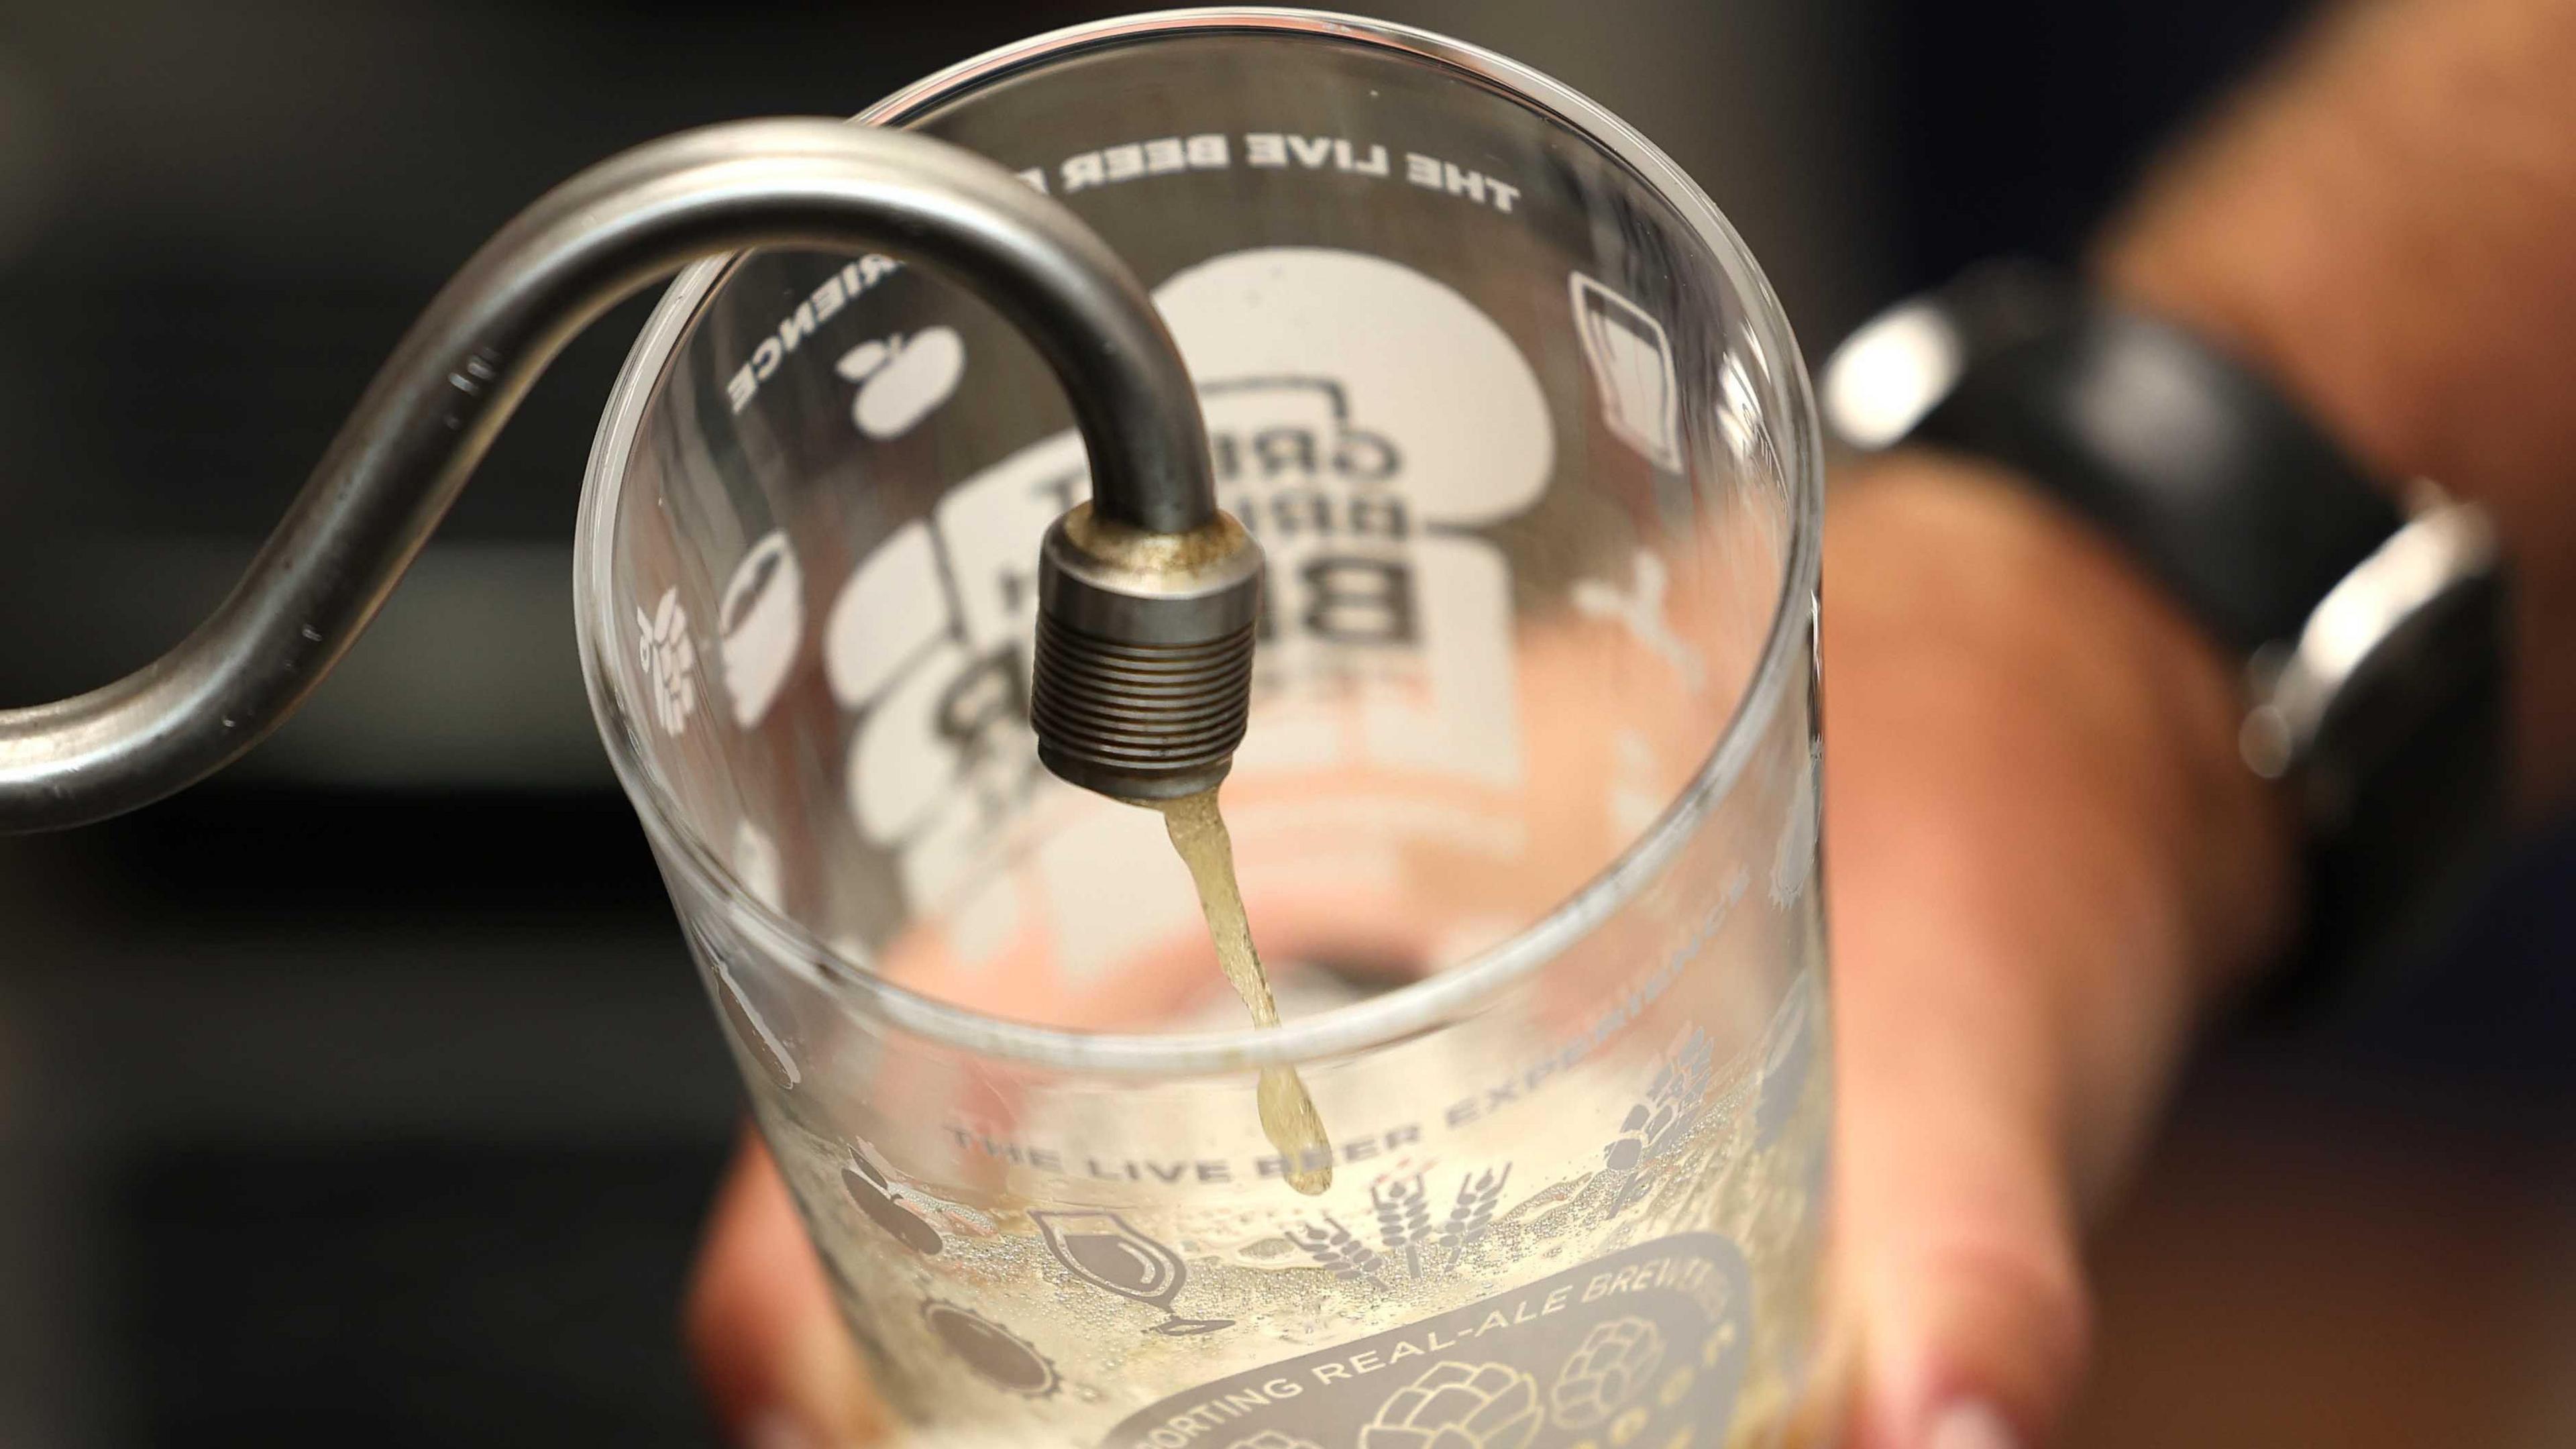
<point x="1272" y="1439"/>
<point x="1458" y="1406"/>
<point x="1612" y="1367"/>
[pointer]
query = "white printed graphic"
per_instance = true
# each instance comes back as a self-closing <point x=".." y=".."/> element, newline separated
<point x="759" y="627"/>
<point x="1644" y="1349"/>
<point x="776" y="1059"/>
<point x="1356" y="463"/>
<point x="1416" y="363"/>
<point x="1357" y="460"/>
<point x="798" y="327"/>
<point x="1632" y="365"/>
<point x="1637" y="792"/>
<point x="757" y="865"/>
<point x="1273" y="1439"/>
<point x="1795" y="859"/>
<point x="901" y="770"/>
<point x="901" y="379"/>
<point x="1459" y="1406"/>
<point x="989" y="527"/>
<point x="1003" y="1358"/>
<point x="670" y="662"/>
<point x="1612" y="1369"/>
<point x="886" y="614"/>
<point x="1458" y="715"/>
<point x="1640" y="610"/>
<point x="876" y="1195"/>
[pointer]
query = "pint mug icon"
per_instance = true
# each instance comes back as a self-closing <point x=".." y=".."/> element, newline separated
<point x="1632" y="366"/>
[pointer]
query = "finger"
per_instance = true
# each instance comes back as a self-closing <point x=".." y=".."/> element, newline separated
<point x="1955" y="1227"/>
<point x="2018" y="811"/>
<point x="777" y="1365"/>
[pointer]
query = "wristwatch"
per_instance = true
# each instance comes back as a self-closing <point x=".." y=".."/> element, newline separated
<point x="2370" y="619"/>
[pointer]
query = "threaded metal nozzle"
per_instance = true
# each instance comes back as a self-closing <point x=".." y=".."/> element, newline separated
<point x="1143" y="677"/>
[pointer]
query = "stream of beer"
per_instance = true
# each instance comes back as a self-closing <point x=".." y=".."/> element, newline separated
<point x="1288" y="1115"/>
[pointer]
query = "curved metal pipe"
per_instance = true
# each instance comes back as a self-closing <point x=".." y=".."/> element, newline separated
<point x="443" y="396"/>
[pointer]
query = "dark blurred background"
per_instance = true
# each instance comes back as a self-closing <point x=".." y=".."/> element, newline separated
<point x="366" y="1095"/>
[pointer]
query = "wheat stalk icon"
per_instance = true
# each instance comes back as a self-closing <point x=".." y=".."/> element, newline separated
<point x="1473" y="1212"/>
<point x="1403" y="1220"/>
<point x="1332" y="1246"/>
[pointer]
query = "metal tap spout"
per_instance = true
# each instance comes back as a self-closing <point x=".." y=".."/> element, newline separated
<point x="436" y="406"/>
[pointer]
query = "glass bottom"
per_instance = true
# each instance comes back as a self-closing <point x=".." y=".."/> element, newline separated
<point x="1657" y="1291"/>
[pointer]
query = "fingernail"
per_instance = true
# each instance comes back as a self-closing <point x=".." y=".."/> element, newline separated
<point x="1970" y="1425"/>
<point x="776" y="1430"/>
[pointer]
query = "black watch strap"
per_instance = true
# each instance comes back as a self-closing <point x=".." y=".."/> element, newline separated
<point x="2372" y="637"/>
<point x="2131" y="422"/>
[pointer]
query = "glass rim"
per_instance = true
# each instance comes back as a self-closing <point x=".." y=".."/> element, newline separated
<point x="1397" y="1015"/>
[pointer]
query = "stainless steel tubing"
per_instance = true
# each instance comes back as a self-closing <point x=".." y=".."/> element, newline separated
<point x="436" y="406"/>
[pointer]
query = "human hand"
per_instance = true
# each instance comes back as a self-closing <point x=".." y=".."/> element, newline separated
<point x="2044" y="858"/>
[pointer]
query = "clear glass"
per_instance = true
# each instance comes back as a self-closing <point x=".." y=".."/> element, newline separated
<point x="1526" y="817"/>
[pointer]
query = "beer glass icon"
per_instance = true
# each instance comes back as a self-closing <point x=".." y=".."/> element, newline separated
<point x="1102" y="1250"/>
<point x="1632" y="367"/>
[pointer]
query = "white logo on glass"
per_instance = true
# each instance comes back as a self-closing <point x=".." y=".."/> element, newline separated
<point x="1272" y="1439"/>
<point x="1632" y="365"/>
<point x="1362" y="470"/>
<point x="759" y="626"/>
<point x="901" y="379"/>
<point x="1458" y="1406"/>
<point x="757" y="865"/>
<point x="1614" y="1366"/>
<point x="670" y="662"/>
<point x="1637" y="790"/>
<point x="1640" y="610"/>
